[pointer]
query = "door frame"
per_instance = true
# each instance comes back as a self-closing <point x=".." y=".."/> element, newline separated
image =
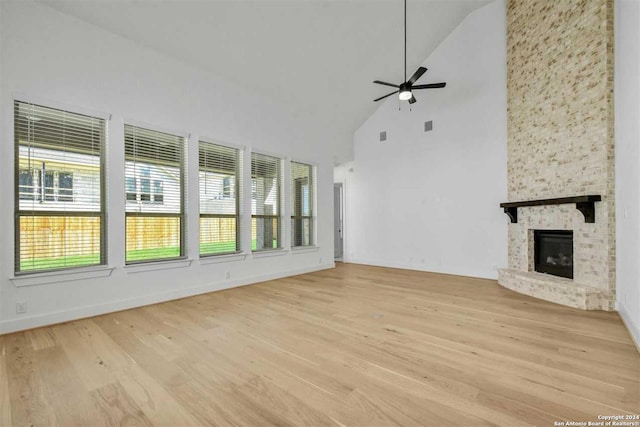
<point x="341" y="186"/>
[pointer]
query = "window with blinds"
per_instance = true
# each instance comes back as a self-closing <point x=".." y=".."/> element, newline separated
<point x="59" y="189"/>
<point x="301" y="204"/>
<point x="154" y="187"/>
<point x="265" y="202"/>
<point x="219" y="178"/>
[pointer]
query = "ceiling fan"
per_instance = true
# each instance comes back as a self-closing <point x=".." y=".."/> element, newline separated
<point x="405" y="89"/>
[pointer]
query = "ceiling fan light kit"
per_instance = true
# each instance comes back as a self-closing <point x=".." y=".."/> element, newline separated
<point x="405" y="90"/>
<point x="405" y="93"/>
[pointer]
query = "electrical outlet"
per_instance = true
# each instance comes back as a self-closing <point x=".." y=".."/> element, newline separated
<point x="227" y="275"/>
<point x="21" y="307"/>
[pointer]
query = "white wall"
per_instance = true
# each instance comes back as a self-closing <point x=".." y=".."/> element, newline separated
<point x="51" y="56"/>
<point x="430" y="201"/>
<point x="627" y="154"/>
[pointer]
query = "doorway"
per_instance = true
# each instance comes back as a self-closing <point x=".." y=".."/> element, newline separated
<point x="338" y="222"/>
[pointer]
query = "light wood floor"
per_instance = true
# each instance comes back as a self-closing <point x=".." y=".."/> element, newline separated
<point x="357" y="345"/>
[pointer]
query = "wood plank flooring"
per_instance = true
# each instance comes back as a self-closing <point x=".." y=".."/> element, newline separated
<point x="353" y="346"/>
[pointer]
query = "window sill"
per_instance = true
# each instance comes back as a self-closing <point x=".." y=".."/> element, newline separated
<point x="157" y="265"/>
<point x="304" y="249"/>
<point x="217" y="259"/>
<point x="71" y="275"/>
<point x="266" y="253"/>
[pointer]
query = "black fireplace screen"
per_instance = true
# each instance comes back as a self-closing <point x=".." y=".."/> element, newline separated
<point x="553" y="251"/>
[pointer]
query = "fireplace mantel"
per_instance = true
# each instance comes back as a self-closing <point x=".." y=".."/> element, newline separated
<point x="584" y="204"/>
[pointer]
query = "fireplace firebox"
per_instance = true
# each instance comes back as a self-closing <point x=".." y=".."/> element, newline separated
<point x="553" y="252"/>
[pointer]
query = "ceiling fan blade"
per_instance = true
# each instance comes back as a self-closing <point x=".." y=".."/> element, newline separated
<point x="412" y="100"/>
<point x="419" y="72"/>
<point x="385" y="83"/>
<point x="429" y="86"/>
<point x="383" y="97"/>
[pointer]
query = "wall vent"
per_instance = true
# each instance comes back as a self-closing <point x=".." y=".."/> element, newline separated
<point x="383" y="135"/>
<point x="428" y="126"/>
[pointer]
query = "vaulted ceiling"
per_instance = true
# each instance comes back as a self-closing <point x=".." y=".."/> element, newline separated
<point x="319" y="57"/>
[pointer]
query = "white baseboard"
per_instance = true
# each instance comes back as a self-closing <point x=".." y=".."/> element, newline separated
<point x="632" y="326"/>
<point x="15" y="325"/>
<point x="408" y="266"/>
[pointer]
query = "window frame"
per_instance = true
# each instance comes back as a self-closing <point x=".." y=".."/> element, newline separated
<point x="18" y="213"/>
<point x="312" y="205"/>
<point x="281" y="201"/>
<point x="236" y="190"/>
<point x="182" y="215"/>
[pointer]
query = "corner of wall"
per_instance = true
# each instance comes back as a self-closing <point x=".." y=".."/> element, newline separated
<point x="627" y="162"/>
<point x="630" y="323"/>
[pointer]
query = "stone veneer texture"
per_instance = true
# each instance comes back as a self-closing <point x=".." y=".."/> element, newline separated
<point x="560" y="128"/>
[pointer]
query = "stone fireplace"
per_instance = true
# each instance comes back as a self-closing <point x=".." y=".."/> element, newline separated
<point x="560" y="149"/>
<point x="589" y="287"/>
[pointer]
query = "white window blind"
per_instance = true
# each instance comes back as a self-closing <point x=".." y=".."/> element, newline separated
<point x="154" y="185"/>
<point x="265" y="202"/>
<point x="219" y="172"/>
<point x="59" y="181"/>
<point x="301" y="204"/>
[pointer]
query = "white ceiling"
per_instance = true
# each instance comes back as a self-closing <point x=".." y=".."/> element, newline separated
<point x="320" y="57"/>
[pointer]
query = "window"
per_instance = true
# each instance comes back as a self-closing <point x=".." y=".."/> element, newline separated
<point x="219" y="168"/>
<point x="265" y="202"/>
<point x="132" y="189"/>
<point x="65" y="186"/>
<point x="145" y="185"/>
<point x="48" y="185"/>
<point x="227" y="187"/>
<point x="301" y="204"/>
<point x="154" y="228"/>
<point x="27" y="189"/>
<point x="158" y="192"/>
<point x="60" y="214"/>
<point x="144" y="196"/>
<point x="58" y="186"/>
